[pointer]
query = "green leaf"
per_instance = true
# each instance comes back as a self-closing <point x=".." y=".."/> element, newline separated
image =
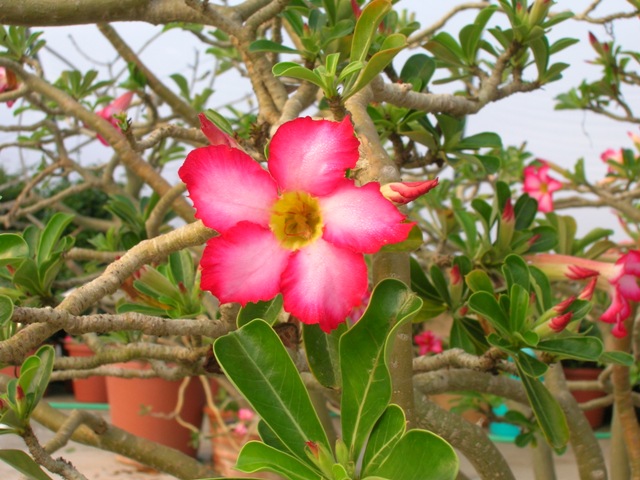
<point x="547" y="411"/>
<point x="266" y="310"/>
<point x="479" y="281"/>
<point x="366" y="27"/>
<point x="257" y="456"/>
<point x="440" y="283"/>
<point x="618" y="358"/>
<point x="12" y="247"/>
<point x="387" y="431"/>
<point x="518" y="307"/>
<point x="256" y="362"/>
<point x="530" y="365"/>
<point x="420" y="455"/>
<point x="6" y="309"/>
<point x="480" y="140"/>
<point x="264" y="45"/>
<point x="51" y="234"/>
<point x="444" y="47"/>
<point x="366" y="383"/>
<point x="293" y="70"/>
<point x="418" y="70"/>
<point x="516" y="271"/>
<point x="378" y="62"/>
<point x="322" y="354"/>
<point x="547" y="238"/>
<point x="525" y="211"/>
<point x="540" y="49"/>
<point x="578" y="347"/>
<point x="486" y="305"/>
<point x="421" y="284"/>
<point x="24" y="464"/>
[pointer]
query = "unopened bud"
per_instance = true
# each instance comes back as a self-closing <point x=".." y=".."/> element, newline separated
<point x="402" y="193"/>
<point x="559" y="323"/>
<point x="563" y="305"/>
<point x="587" y="291"/>
<point x="576" y="272"/>
<point x="214" y="134"/>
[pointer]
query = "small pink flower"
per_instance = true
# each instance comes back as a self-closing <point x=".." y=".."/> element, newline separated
<point x="8" y="83"/>
<point x="539" y="185"/>
<point x="245" y="414"/>
<point x="214" y="134"/>
<point x="428" y="342"/>
<point x="402" y="193"/>
<point x="299" y="229"/>
<point x="118" y="106"/>
<point x="634" y="138"/>
<point x="240" y="429"/>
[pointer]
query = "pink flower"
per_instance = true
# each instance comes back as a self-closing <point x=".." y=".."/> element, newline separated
<point x="402" y="193"/>
<point x="300" y="229"/>
<point x="118" y="106"/>
<point x="539" y="185"/>
<point x="214" y="134"/>
<point x="240" y="429"/>
<point x="8" y="83"/>
<point x="634" y="138"/>
<point x="428" y="342"/>
<point x="245" y="414"/>
<point x="611" y="155"/>
<point x="619" y="280"/>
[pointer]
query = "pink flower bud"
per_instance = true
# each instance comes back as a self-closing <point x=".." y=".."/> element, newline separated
<point x="313" y="446"/>
<point x="19" y="393"/>
<point x="454" y="275"/>
<point x="563" y="305"/>
<point x="214" y="134"/>
<point x="245" y="414"/>
<point x="508" y="214"/>
<point x="559" y="323"/>
<point x="402" y="193"/>
<point x="577" y="272"/>
<point x="587" y="291"/>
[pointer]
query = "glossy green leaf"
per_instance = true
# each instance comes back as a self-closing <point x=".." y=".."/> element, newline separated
<point x="530" y="365"/>
<point x="266" y="310"/>
<point x="467" y="333"/>
<point x="24" y="464"/>
<point x="480" y="140"/>
<point x="518" y="307"/>
<point x="551" y="419"/>
<point x="51" y="234"/>
<point x="420" y="455"/>
<point x="525" y="211"/>
<point x="540" y="49"/>
<point x="485" y="304"/>
<point x="322" y="354"/>
<point x="379" y="61"/>
<point x="418" y="70"/>
<point x="257" y="457"/>
<point x="12" y="247"/>
<point x="35" y="374"/>
<point x="366" y="383"/>
<point x="578" y="347"/>
<point x="265" y="45"/>
<point x="618" y="358"/>
<point x="293" y="70"/>
<point x="516" y="271"/>
<point x="6" y="309"/>
<point x="445" y="48"/>
<point x="366" y="27"/>
<point x="387" y="431"/>
<point x="479" y="281"/>
<point x="440" y="283"/>
<point x="541" y="287"/>
<point x="421" y="284"/>
<point x="256" y="362"/>
<point x="546" y="239"/>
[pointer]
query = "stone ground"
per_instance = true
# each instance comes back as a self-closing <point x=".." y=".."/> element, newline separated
<point x="100" y="465"/>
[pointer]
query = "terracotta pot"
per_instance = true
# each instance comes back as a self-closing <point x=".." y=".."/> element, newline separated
<point x="143" y="407"/>
<point x="226" y="445"/>
<point x="89" y="390"/>
<point x="595" y="416"/>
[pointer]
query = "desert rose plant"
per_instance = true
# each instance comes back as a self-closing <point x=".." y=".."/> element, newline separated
<point x="332" y="249"/>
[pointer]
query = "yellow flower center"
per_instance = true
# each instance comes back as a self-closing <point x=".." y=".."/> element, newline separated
<point x="296" y="220"/>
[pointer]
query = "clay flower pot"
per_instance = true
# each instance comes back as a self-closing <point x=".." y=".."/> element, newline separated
<point x="595" y="416"/>
<point x="143" y="407"/>
<point x="89" y="390"/>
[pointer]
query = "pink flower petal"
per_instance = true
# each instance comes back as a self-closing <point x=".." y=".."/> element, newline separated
<point x="628" y="287"/>
<point x="243" y="265"/>
<point x="553" y="185"/>
<point x="214" y="134"/>
<point x="361" y="219"/>
<point x="322" y="283"/>
<point x="312" y="155"/>
<point x="227" y="186"/>
<point x="545" y="203"/>
<point x="631" y="262"/>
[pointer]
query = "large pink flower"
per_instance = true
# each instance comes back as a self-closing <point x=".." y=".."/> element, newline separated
<point x="118" y="106"/>
<point x="619" y="280"/>
<point x="539" y="185"/>
<point x="300" y="229"/>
